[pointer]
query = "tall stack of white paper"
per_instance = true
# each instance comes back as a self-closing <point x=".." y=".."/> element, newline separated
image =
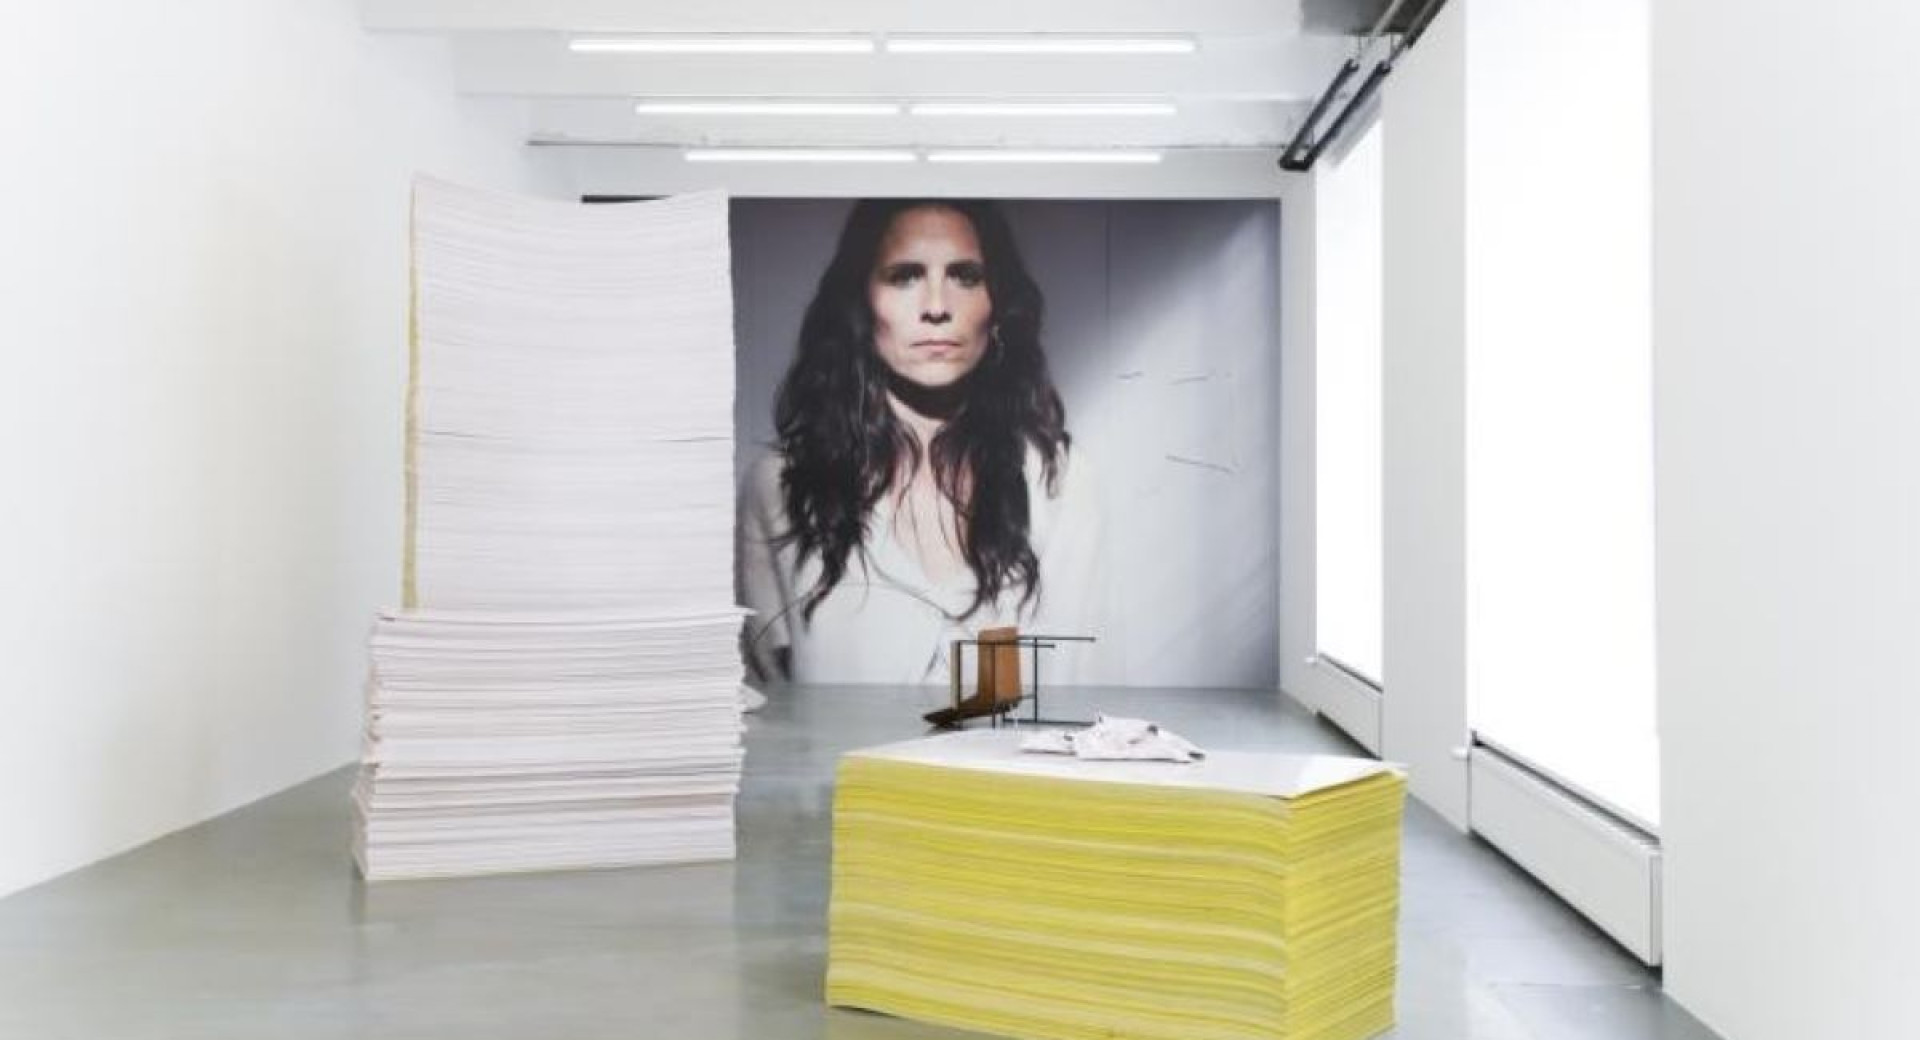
<point x="561" y="690"/>
<point x="572" y="416"/>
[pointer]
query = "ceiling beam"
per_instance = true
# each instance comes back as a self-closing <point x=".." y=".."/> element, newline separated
<point x="1196" y="174"/>
<point x="1199" y="124"/>
<point x="1227" y="17"/>
<point x="1243" y="69"/>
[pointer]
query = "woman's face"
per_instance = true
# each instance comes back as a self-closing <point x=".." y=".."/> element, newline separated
<point x="931" y="310"/>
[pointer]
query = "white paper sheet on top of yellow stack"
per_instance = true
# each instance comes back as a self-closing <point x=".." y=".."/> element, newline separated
<point x="1246" y="895"/>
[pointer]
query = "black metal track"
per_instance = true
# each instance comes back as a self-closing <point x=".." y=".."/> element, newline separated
<point x="1295" y="157"/>
<point x="1305" y="148"/>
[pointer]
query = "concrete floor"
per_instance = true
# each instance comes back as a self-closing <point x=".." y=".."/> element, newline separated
<point x="254" y="925"/>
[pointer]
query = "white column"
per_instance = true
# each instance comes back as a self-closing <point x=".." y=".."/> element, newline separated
<point x="1787" y="450"/>
<point x="1424" y="404"/>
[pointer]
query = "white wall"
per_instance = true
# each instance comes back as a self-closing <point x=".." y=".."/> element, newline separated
<point x="1424" y="359"/>
<point x="1299" y="292"/>
<point x="203" y="289"/>
<point x="1787" y="448"/>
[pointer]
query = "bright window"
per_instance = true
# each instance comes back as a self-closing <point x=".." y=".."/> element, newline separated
<point x="1559" y="459"/>
<point x="1348" y="541"/>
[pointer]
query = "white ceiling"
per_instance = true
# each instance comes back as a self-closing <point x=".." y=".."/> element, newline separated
<point x="1259" y="65"/>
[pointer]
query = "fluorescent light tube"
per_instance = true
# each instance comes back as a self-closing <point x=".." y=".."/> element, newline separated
<point x="1041" y="44"/>
<point x="721" y="44"/>
<point x="996" y="155"/>
<point x="1043" y="108"/>
<point x="767" y="108"/>
<point x="801" y="155"/>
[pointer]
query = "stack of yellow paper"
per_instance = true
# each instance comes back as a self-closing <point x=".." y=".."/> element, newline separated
<point x="1249" y="895"/>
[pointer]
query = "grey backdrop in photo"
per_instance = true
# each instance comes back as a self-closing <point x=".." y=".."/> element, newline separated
<point x="1163" y="332"/>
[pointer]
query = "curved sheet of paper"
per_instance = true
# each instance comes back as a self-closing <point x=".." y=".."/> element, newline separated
<point x="1270" y="774"/>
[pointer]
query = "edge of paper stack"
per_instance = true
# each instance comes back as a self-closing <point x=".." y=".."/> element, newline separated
<point x="1252" y="895"/>
<point x="561" y="688"/>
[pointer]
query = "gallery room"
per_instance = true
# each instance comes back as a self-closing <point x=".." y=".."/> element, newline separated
<point x="1321" y="519"/>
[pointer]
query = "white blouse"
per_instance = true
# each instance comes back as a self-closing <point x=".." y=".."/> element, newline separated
<point x="886" y="621"/>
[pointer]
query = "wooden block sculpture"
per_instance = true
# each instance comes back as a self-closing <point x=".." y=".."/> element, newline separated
<point x="997" y="687"/>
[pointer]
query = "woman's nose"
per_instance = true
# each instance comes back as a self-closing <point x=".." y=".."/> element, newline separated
<point x="933" y="306"/>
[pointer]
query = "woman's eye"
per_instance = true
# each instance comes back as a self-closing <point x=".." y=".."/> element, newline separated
<point x="969" y="276"/>
<point x="899" y="277"/>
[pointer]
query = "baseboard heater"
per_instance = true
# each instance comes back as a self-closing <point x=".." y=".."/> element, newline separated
<point x="1343" y="697"/>
<point x="1601" y="865"/>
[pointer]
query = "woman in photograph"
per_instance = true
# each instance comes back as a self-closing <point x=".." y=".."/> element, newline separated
<point x="925" y="486"/>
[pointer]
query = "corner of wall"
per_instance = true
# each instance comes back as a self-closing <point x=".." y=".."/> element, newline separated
<point x="1296" y="455"/>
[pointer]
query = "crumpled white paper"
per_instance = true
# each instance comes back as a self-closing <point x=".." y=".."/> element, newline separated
<point x="1111" y="737"/>
<point x="751" y="700"/>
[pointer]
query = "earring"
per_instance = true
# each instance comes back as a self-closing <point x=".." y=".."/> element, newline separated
<point x="994" y="343"/>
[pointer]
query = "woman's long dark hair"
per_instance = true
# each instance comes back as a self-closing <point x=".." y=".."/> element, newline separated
<point x="845" y="450"/>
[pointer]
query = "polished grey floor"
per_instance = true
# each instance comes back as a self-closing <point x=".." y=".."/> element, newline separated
<point x="255" y="926"/>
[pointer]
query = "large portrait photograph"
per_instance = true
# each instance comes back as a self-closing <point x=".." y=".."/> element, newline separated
<point x="959" y="417"/>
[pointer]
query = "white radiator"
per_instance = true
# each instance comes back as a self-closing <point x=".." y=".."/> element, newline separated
<point x="1604" y="868"/>
<point x="1343" y="698"/>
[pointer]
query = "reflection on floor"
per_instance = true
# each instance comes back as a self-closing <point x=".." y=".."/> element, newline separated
<point x="255" y="926"/>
